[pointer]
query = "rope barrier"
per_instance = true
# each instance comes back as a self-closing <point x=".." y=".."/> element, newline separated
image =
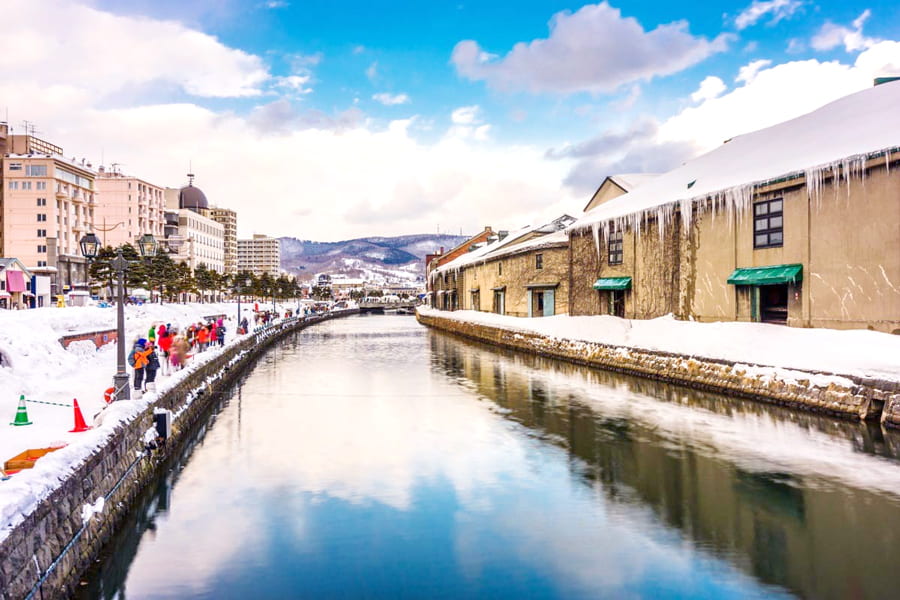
<point x="29" y="401"/>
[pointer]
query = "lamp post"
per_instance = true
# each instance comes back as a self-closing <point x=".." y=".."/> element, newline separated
<point x="247" y="283"/>
<point x="90" y="245"/>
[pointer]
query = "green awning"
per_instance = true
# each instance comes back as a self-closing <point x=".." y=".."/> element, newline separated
<point x="613" y="283"/>
<point x="767" y="275"/>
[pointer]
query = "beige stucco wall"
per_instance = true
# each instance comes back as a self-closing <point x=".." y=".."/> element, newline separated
<point x="847" y="239"/>
<point x="853" y="279"/>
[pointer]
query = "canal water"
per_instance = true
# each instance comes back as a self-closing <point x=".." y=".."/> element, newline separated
<point x="370" y="457"/>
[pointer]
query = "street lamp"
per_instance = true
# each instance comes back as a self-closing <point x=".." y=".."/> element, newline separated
<point x="247" y="283"/>
<point x="90" y="246"/>
<point x="147" y="245"/>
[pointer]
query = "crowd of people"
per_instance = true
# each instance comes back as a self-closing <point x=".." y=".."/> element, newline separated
<point x="168" y="349"/>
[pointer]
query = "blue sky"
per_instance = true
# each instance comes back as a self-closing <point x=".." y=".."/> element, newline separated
<point x="429" y="104"/>
<point x="410" y="45"/>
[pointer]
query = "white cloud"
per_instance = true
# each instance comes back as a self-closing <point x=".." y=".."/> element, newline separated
<point x="710" y="87"/>
<point x="831" y="36"/>
<point x="276" y="4"/>
<point x="346" y="175"/>
<point x="779" y="9"/>
<point x="372" y="71"/>
<point x="468" y="124"/>
<point x="594" y="49"/>
<point x="748" y="72"/>
<point x="466" y="115"/>
<point x="76" y="45"/>
<point x="770" y="94"/>
<point x="391" y="99"/>
<point x="795" y="46"/>
<point x="295" y="83"/>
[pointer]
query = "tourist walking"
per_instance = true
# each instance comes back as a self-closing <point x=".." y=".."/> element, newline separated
<point x="165" y="346"/>
<point x="138" y="360"/>
<point x="151" y="368"/>
<point x="220" y="332"/>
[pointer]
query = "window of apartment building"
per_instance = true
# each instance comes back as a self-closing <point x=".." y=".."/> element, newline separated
<point x="614" y="248"/>
<point x="42" y="263"/>
<point x="42" y="233"/>
<point x="768" y="223"/>
<point x="41" y="217"/>
<point x="15" y="166"/>
<point x="26" y="185"/>
<point x="42" y="249"/>
<point x="35" y="170"/>
<point x="40" y="185"/>
<point x="13" y="185"/>
<point x="538" y="261"/>
<point x="42" y="202"/>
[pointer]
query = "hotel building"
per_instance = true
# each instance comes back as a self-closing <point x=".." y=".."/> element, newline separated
<point x="260" y="254"/>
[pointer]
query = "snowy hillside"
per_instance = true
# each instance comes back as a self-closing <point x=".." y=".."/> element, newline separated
<point x="375" y="258"/>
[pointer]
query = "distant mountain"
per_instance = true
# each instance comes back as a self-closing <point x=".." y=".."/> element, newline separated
<point x="372" y="258"/>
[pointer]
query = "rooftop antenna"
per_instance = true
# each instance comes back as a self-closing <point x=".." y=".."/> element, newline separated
<point x="190" y="174"/>
<point x="30" y="128"/>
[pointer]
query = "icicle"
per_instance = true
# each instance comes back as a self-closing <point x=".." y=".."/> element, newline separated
<point x="595" y="228"/>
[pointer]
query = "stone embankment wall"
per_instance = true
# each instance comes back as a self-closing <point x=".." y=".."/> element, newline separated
<point x="44" y="556"/>
<point x="863" y="399"/>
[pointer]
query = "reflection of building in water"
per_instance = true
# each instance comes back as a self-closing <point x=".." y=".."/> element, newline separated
<point x="815" y="539"/>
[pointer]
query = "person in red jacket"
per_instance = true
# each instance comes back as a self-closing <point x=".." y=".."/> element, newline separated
<point x="165" y="346"/>
<point x="202" y="338"/>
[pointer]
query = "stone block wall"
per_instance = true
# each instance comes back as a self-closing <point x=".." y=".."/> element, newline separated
<point x="860" y="400"/>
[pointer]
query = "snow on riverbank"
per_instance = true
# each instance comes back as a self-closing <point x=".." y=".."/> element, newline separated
<point x="36" y="365"/>
<point x="856" y="353"/>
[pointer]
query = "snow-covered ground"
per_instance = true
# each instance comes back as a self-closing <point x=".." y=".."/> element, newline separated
<point x="37" y="366"/>
<point x="857" y="352"/>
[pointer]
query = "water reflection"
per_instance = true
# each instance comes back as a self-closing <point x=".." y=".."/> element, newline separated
<point x="370" y="457"/>
<point x="799" y="500"/>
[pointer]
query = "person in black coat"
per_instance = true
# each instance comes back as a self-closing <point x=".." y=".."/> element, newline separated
<point x="151" y="368"/>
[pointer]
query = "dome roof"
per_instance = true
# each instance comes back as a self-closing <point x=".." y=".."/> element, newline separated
<point x="192" y="198"/>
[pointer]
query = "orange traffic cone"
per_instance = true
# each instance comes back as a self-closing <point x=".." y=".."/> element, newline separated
<point x="80" y="425"/>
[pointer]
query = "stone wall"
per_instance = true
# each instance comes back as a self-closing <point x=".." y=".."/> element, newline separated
<point x="650" y="259"/>
<point x="862" y="399"/>
<point x="51" y="539"/>
<point x="517" y="272"/>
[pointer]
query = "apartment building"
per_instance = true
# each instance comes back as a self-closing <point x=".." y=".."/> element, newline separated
<point x="228" y="219"/>
<point x="47" y="203"/>
<point x="202" y="239"/>
<point x="260" y="254"/>
<point x="127" y="208"/>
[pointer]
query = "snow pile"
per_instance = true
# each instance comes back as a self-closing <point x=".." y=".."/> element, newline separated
<point x="35" y="364"/>
<point x="837" y="138"/>
<point x="780" y="350"/>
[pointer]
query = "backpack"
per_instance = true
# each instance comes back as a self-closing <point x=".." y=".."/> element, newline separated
<point x="153" y="362"/>
<point x="131" y="358"/>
